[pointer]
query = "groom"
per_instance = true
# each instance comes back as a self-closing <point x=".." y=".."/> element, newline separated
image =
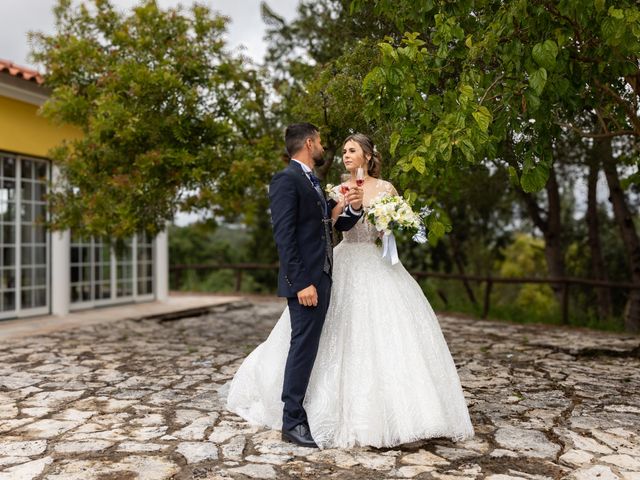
<point x="301" y="218"/>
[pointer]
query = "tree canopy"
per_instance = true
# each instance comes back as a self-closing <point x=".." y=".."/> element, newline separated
<point x="165" y="110"/>
<point x="472" y="78"/>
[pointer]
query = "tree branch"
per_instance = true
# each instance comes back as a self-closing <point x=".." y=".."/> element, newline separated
<point x="534" y="210"/>
<point x="490" y="87"/>
<point x="551" y="8"/>
<point x="634" y="82"/>
<point x="633" y="117"/>
<point x="584" y="134"/>
<point x="601" y="120"/>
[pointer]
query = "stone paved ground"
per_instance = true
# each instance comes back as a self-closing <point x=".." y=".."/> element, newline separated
<point x="137" y="400"/>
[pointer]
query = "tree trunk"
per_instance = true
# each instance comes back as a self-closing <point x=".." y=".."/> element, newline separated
<point x="550" y="227"/>
<point x="549" y="223"/>
<point x="457" y="257"/>
<point x="324" y="169"/>
<point x="552" y="236"/>
<point x="597" y="262"/>
<point x="629" y="235"/>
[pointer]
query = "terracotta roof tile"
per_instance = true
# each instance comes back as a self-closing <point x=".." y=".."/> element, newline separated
<point x="20" y="72"/>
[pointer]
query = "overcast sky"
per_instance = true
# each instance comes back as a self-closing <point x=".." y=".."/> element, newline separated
<point x="246" y="28"/>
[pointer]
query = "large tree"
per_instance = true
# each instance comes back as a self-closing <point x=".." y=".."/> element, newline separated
<point x="507" y="81"/>
<point x="169" y="118"/>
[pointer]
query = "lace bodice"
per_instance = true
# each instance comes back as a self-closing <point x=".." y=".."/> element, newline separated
<point x="361" y="232"/>
<point x="364" y="231"/>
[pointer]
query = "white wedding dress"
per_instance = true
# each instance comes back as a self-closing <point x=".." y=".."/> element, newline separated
<point x="383" y="375"/>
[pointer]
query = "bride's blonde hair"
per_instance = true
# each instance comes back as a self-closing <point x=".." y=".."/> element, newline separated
<point x="369" y="149"/>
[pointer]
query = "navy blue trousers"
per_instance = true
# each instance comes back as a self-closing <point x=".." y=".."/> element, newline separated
<point x="306" y="327"/>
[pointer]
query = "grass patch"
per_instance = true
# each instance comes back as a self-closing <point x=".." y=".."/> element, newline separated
<point x="451" y="296"/>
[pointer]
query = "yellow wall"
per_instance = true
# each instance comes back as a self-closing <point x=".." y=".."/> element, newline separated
<point x="23" y="131"/>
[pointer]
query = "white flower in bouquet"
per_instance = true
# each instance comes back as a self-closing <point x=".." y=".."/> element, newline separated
<point x="391" y="213"/>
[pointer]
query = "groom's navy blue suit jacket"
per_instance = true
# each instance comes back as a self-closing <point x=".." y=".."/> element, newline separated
<point x="297" y="216"/>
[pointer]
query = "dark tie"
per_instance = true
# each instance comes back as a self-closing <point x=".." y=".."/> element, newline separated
<point x="315" y="180"/>
<point x="316" y="185"/>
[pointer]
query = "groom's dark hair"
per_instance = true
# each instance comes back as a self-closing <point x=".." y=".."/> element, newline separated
<point x="296" y="134"/>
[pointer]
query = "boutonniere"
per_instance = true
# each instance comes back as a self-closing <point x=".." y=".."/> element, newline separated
<point x="332" y="192"/>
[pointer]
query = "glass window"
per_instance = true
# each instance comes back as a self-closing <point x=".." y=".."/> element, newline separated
<point x="26" y="300"/>
<point x="27" y="191"/>
<point x="145" y="264"/>
<point x="111" y="271"/>
<point x="8" y="300"/>
<point x="8" y="167"/>
<point x="40" y="297"/>
<point x="27" y="169"/>
<point x="41" y="170"/>
<point x="24" y="274"/>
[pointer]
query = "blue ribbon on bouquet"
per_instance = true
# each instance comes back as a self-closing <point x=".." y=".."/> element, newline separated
<point x="389" y="248"/>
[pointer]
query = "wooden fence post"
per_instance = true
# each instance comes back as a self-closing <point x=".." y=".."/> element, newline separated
<point x="238" y="279"/>
<point x="565" y="303"/>
<point x="487" y="297"/>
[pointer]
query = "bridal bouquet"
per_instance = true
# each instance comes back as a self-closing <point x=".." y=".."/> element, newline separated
<point x="392" y="213"/>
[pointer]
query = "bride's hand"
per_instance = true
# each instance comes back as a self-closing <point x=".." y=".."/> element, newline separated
<point x="355" y="196"/>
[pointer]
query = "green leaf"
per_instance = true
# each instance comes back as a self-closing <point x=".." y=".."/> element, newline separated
<point x="410" y="196"/>
<point x="466" y="91"/>
<point x="538" y="80"/>
<point x="394" y="76"/>
<point x="616" y="13"/>
<point x="608" y="28"/>
<point x="395" y="138"/>
<point x="482" y="117"/>
<point x="446" y="153"/>
<point x="406" y="165"/>
<point x="388" y="51"/>
<point x="545" y="54"/>
<point x="373" y="78"/>
<point x="534" y="178"/>
<point x="599" y="4"/>
<point x="561" y="85"/>
<point x="513" y="176"/>
<point x="467" y="148"/>
<point x="633" y="179"/>
<point x="532" y="101"/>
<point x="436" y="230"/>
<point x="419" y="164"/>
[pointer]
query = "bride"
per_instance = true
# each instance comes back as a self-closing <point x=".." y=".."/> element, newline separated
<point x="383" y="374"/>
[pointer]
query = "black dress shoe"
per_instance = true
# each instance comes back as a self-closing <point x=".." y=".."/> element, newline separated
<point x="299" y="435"/>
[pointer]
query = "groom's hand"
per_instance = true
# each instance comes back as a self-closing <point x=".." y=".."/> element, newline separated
<point x="308" y="296"/>
<point x="354" y="197"/>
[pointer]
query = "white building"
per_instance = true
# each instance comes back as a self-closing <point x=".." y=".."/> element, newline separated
<point x="43" y="272"/>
